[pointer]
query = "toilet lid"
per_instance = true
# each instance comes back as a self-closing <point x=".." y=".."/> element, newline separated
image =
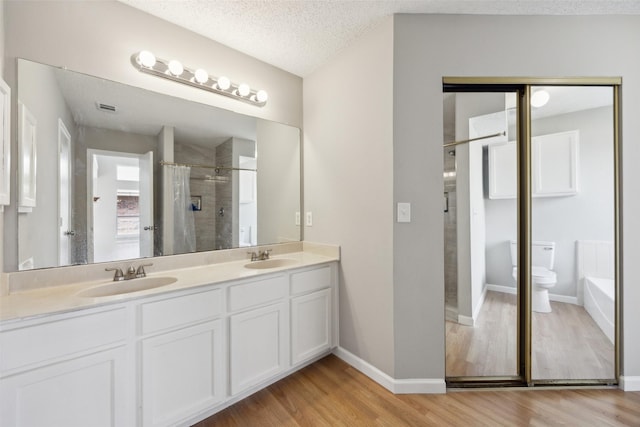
<point x="540" y="274"/>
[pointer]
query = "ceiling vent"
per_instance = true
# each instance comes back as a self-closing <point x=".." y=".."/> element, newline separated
<point x="106" y="107"/>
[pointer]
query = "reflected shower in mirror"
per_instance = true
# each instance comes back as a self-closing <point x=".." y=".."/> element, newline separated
<point x="126" y="173"/>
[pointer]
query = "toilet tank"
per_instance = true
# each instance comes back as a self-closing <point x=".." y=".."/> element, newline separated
<point x="542" y="254"/>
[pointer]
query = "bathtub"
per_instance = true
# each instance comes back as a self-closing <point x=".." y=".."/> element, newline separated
<point x="599" y="301"/>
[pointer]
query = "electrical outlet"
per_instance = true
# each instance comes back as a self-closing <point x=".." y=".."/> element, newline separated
<point x="309" y="219"/>
<point x="404" y="212"/>
<point x="297" y="218"/>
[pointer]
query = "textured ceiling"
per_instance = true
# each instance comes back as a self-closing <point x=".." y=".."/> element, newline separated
<point x="301" y="35"/>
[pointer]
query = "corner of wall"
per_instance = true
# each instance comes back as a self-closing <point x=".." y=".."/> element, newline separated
<point x="348" y="185"/>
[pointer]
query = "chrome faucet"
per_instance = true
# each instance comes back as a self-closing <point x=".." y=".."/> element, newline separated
<point x="132" y="273"/>
<point x="260" y="255"/>
<point x="140" y="271"/>
<point x="118" y="276"/>
<point x="264" y="254"/>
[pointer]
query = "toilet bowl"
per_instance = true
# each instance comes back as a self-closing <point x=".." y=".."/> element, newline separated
<point x="542" y="280"/>
<point x="542" y="277"/>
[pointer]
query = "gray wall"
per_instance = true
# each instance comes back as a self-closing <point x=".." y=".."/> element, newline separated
<point x="99" y="37"/>
<point x="279" y="181"/>
<point x="38" y="230"/>
<point x="585" y="216"/>
<point x="428" y="47"/>
<point x="471" y="221"/>
<point x="348" y="185"/>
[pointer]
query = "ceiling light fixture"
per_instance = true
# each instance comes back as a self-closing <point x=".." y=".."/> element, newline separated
<point x="539" y="98"/>
<point x="146" y="62"/>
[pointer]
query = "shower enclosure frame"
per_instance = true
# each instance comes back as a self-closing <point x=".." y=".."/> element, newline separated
<point x="521" y="86"/>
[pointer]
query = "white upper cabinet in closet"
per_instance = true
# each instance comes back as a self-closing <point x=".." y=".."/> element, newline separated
<point x="554" y="167"/>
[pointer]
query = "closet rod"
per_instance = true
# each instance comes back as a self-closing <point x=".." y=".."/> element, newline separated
<point x="194" y="165"/>
<point x="464" y="141"/>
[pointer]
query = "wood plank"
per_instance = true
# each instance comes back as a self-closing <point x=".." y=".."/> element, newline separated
<point x="567" y="344"/>
<point x="330" y="392"/>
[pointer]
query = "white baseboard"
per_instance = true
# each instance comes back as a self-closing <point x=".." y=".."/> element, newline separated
<point x="466" y="320"/>
<point x="471" y="321"/>
<point x="402" y="386"/>
<point x="552" y="297"/>
<point x="629" y="383"/>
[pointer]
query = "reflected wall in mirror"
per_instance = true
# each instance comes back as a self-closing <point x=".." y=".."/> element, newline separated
<point x="127" y="173"/>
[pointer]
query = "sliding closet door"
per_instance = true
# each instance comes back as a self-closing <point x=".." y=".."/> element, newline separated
<point x="480" y="224"/>
<point x="573" y="233"/>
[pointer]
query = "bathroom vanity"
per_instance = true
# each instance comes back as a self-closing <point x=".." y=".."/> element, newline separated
<point x="171" y="355"/>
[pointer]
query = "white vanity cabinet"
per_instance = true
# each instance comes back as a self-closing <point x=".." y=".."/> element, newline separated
<point x="311" y="314"/>
<point x="182" y="356"/>
<point x="169" y="358"/>
<point x="66" y="370"/>
<point x="258" y="331"/>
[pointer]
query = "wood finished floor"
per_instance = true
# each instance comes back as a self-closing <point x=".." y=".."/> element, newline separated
<point x="567" y="343"/>
<point x="332" y="393"/>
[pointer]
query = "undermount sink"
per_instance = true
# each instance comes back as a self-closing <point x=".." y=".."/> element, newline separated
<point x="270" y="263"/>
<point x="127" y="286"/>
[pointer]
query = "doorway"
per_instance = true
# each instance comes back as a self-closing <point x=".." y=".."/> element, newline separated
<point x="120" y="205"/>
<point x="531" y="222"/>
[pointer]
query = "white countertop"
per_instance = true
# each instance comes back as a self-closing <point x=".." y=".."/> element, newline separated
<point x="64" y="298"/>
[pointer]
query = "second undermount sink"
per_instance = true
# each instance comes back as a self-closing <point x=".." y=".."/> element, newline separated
<point x="127" y="286"/>
<point x="271" y="263"/>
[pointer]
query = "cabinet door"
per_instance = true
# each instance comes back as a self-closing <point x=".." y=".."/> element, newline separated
<point x="182" y="372"/>
<point x="503" y="171"/>
<point x="555" y="164"/>
<point x="259" y="345"/>
<point x="86" y="391"/>
<point x="310" y="325"/>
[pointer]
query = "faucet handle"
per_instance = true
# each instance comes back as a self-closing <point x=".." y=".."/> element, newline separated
<point x="118" y="275"/>
<point x="254" y="256"/>
<point x="140" y="271"/>
<point x="265" y="254"/>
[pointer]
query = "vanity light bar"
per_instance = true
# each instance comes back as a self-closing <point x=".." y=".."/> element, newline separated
<point x="146" y="62"/>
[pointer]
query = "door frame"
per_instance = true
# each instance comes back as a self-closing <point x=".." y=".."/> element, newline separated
<point x="522" y="87"/>
<point x="64" y="145"/>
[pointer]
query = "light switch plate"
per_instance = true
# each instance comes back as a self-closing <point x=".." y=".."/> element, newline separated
<point x="404" y="212"/>
<point x="309" y="221"/>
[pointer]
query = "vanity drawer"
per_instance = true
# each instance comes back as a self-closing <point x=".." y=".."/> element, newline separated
<point x="311" y="280"/>
<point x="259" y="292"/>
<point x="46" y="341"/>
<point x="179" y="311"/>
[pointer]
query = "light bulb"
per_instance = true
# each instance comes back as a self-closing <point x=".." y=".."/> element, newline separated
<point x="539" y="98"/>
<point x="223" y="83"/>
<point x="146" y="59"/>
<point x="262" y="96"/>
<point x="244" y="89"/>
<point x="175" y="67"/>
<point x="201" y="76"/>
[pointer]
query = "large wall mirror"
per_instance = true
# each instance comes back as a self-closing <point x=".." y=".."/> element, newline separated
<point x="124" y="173"/>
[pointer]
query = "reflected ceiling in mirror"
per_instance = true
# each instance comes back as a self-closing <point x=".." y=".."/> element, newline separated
<point x="127" y="173"/>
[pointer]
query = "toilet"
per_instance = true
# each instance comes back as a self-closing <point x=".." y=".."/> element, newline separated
<point x="543" y="278"/>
